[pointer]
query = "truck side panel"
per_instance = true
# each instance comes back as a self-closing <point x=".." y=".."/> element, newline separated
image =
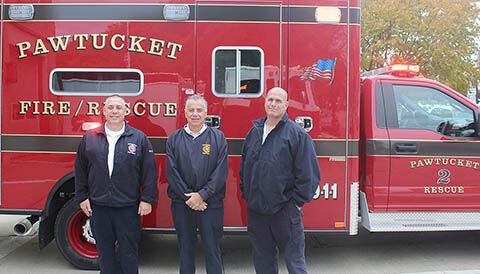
<point x="68" y="45"/>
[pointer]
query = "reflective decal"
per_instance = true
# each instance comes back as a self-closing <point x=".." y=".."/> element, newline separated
<point x="444" y="162"/>
<point x="326" y="191"/>
<point x="444" y="176"/>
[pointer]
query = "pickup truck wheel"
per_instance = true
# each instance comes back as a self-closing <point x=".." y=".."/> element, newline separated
<point x="73" y="237"/>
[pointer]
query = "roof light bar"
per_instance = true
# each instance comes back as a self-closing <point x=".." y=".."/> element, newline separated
<point x="404" y="67"/>
<point x="397" y="67"/>
<point x="404" y="70"/>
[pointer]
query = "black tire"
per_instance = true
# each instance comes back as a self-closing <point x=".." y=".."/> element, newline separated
<point x="74" y="247"/>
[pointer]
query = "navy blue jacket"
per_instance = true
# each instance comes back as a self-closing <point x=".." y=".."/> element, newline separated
<point x="282" y="169"/>
<point x="197" y="165"/>
<point x="134" y="175"/>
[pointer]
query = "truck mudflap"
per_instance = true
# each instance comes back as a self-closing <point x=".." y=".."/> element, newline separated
<point x="416" y="221"/>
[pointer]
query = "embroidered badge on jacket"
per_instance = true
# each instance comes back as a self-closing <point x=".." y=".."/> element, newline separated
<point x="132" y="148"/>
<point x="206" y="149"/>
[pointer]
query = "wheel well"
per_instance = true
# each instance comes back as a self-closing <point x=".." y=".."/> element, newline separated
<point x="61" y="192"/>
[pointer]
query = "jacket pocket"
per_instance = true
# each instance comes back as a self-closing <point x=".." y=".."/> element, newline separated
<point x="295" y="215"/>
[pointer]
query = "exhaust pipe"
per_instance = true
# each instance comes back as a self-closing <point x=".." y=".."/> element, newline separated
<point x="22" y="227"/>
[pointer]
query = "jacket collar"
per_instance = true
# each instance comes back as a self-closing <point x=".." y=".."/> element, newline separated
<point x="101" y="130"/>
<point x="186" y="128"/>
<point x="261" y="122"/>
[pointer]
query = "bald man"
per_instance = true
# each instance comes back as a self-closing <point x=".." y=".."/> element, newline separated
<point x="279" y="173"/>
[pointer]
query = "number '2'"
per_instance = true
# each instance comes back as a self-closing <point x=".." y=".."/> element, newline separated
<point x="444" y="176"/>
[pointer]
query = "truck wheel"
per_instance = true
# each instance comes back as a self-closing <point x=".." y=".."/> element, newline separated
<point x="73" y="237"/>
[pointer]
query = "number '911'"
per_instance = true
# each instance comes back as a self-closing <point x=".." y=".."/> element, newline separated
<point x="326" y="191"/>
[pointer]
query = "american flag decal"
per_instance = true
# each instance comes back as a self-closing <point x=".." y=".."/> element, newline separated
<point x="323" y="70"/>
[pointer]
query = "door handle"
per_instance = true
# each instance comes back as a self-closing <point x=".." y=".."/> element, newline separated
<point x="213" y="121"/>
<point x="406" y="148"/>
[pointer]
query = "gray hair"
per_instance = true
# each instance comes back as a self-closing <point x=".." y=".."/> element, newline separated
<point x="115" y="96"/>
<point x="196" y="97"/>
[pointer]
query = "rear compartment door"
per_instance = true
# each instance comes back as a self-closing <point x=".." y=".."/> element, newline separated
<point x="435" y="160"/>
<point x="238" y="59"/>
<point x="323" y="62"/>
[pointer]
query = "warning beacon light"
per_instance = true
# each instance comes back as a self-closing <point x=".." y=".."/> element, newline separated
<point x="402" y="70"/>
<point x="405" y="70"/>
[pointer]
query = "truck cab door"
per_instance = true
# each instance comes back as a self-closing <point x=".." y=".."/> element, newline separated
<point x="433" y="148"/>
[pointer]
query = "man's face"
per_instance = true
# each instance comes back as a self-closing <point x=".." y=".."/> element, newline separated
<point x="114" y="110"/>
<point x="195" y="113"/>
<point x="276" y="104"/>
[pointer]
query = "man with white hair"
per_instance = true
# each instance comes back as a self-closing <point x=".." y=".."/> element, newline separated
<point x="197" y="169"/>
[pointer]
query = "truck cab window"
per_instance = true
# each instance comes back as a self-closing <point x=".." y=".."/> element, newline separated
<point x="237" y="72"/>
<point x="430" y="109"/>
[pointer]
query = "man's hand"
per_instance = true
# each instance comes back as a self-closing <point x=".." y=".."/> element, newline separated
<point x="144" y="208"/>
<point x="85" y="206"/>
<point x="195" y="201"/>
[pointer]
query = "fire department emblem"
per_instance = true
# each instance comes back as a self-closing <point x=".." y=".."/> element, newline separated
<point x="206" y="149"/>
<point x="132" y="148"/>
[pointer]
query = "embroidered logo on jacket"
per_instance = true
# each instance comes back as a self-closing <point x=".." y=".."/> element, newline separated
<point x="206" y="149"/>
<point x="132" y="148"/>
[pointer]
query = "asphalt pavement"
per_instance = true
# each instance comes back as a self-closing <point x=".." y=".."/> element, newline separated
<point x="367" y="253"/>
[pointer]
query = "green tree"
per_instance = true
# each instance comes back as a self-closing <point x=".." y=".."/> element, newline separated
<point x="438" y="35"/>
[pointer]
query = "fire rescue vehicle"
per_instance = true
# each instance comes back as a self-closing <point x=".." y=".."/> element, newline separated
<point x="397" y="152"/>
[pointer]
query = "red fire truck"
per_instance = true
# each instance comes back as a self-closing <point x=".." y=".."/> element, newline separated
<point x="396" y="152"/>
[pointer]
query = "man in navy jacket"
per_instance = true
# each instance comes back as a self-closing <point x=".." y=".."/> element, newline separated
<point x="115" y="184"/>
<point x="279" y="173"/>
<point x="197" y="168"/>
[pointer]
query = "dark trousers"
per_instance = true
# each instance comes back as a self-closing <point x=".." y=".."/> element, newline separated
<point x="281" y="231"/>
<point x="121" y="225"/>
<point x="210" y="225"/>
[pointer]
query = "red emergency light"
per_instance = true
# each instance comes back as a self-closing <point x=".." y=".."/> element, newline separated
<point x="405" y="70"/>
<point x="402" y="70"/>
